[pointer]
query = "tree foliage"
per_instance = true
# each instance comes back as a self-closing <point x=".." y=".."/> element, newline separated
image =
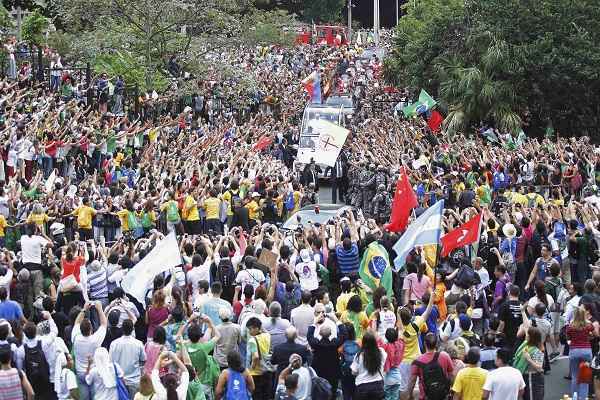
<point x="499" y="61"/>
<point x="34" y="28"/>
<point x="323" y="10"/>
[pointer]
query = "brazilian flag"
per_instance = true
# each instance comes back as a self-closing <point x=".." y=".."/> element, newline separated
<point x="375" y="269"/>
<point x="423" y="105"/>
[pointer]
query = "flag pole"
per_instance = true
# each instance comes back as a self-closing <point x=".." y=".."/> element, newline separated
<point x="438" y="248"/>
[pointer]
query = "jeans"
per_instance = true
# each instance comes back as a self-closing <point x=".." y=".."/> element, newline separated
<point x="85" y="391"/>
<point x="47" y="165"/>
<point x="576" y="356"/>
<point x="392" y="392"/>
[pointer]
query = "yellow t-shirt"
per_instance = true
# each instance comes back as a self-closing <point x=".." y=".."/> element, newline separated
<point x="122" y="214"/>
<point x="191" y="214"/>
<point x="2" y="225"/>
<point x="469" y="383"/>
<point x="411" y="342"/>
<point x="360" y="322"/>
<point x="262" y="340"/>
<point x="84" y="217"/>
<point x="342" y="302"/>
<point x="536" y="199"/>
<point x="39" y="219"/>
<point x="118" y="158"/>
<point x="227" y="196"/>
<point x="253" y="210"/>
<point x="212" y="205"/>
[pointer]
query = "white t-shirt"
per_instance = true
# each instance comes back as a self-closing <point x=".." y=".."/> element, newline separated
<point x="197" y="274"/>
<point x="387" y="319"/>
<point x="307" y="274"/>
<point x="85" y="346"/>
<point x="251" y="276"/>
<point x="31" y="249"/>
<point x="68" y="382"/>
<point x="534" y="301"/>
<point x="304" y="383"/>
<point x="504" y="383"/>
<point x="362" y="375"/>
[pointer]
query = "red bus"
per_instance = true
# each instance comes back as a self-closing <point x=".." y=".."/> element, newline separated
<point x="330" y="35"/>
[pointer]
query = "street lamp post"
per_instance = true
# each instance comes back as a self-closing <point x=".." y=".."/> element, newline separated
<point x="376" y="21"/>
<point x="349" y="21"/>
<point x="397" y="15"/>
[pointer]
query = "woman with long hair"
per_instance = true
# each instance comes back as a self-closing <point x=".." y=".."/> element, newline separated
<point x="534" y="375"/>
<point x="416" y="283"/>
<point x="146" y="390"/>
<point x="172" y="386"/>
<point x="157" y="313"/>
<point x="580" y="332"/>
<point x="227" y="388"/>
<point x="540" y="297"/>
<point x="368" y="369"/>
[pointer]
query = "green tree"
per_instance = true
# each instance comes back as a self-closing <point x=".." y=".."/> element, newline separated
<point x="151" y="31"/>
<point x="323" y="10"/>
<point x="268" y="28"/>
<point x="498" y="60"/>
<point x="34" y="29"/>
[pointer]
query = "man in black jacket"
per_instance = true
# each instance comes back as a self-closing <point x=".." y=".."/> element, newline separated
<point x="282" y="352"/>
<point x="338" y="174"/>
<point x="311" y="174"/>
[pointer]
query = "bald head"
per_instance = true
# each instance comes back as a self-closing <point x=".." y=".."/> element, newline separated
<point x="291" y="333"/>
<point x="325" y="331"/>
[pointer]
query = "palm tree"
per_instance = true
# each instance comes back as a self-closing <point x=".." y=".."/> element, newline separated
<point x="481" y="91"/>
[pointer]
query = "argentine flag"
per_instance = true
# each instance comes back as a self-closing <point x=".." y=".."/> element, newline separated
<point x="423" y="231"/>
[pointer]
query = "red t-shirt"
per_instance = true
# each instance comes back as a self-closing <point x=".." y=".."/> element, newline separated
<point x="72" y="267"/>
<point x="580" y="338"/>
<point x="444" y="361"/>
<point x="52" y="147"/>
<point x="238" y="306"/>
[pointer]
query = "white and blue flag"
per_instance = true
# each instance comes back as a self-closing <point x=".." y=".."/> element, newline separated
<point x="423" y="231"/>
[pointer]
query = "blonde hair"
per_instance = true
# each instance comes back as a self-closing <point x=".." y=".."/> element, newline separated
<point x="146" y="387"/>
<point x="579" y="321"/>
<point x="158" y="299"/>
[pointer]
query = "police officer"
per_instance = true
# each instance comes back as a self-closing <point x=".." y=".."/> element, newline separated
<point x="381" y="205"/>
<point x="369" y="187"/>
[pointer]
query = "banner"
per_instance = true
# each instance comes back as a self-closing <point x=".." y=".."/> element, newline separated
<point x="164" y="256"/>
<point x="327" y="140"/>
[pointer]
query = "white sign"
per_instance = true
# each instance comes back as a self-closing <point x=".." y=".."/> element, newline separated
<point x="164" y="256"/>
<point x="324" y="144"/>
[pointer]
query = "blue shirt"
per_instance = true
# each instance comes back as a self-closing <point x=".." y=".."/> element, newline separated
<point x="10" y="310"/>
<point x="211" y="309"/>
<point x="348" y="260"/>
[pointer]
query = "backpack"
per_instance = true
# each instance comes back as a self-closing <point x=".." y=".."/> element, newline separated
<point x="134" y="225"/>
<point x="172" y="212"/>
<point x="226" y="273"/>
<point x="236" y="386"/>
<point x="466" y="277"/>
<point x="36" y="367"/>
<point x="499" y="181"/>
<point x="531" y="200"/>
<point x="320" y="388"/>
<point x="235" y="198"/>
<point x="435" y="382"/>
<point x="290" y="301"/>
<point x="349" y="350"/>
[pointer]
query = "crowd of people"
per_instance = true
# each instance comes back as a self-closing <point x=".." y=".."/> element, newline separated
<point x="88" y="191"/>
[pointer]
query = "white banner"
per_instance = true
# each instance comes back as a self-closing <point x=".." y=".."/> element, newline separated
<point x="164" y="256"/>
<point x="326" y="144"/>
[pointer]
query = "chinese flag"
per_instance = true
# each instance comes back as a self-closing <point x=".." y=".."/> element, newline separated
<point x="435" y="121"/>
<point x="404" y="201"/>
<point x="465" y="234"/>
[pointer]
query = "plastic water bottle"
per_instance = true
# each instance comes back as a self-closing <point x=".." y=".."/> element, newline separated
<point x="575" y="396"/>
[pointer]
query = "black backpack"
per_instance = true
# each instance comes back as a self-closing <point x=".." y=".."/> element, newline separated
<point x="592" y="250"/>
<point x="435" y="381"/>
<point x="36" y="367"/>
<point x="467" y="277"/>
<point x="226" y="273"/>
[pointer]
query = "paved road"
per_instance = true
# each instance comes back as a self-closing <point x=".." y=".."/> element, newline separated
<point x="555" y="384"/>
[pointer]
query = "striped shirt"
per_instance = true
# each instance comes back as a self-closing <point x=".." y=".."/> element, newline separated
<point x="348" y="261"/>
<point x="96" y="281"/>
<point x="10" y="385"/>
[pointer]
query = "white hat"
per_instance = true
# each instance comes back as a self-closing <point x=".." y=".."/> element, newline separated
<point x="509" y="231"/>
<point x="255" y="194"/>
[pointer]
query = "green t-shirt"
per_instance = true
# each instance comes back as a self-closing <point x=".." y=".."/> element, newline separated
<point x="199" y="353"/>
<point x="195" y="390"/>
<point x="111" y="143"/>
<point x="32" y="194"/>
